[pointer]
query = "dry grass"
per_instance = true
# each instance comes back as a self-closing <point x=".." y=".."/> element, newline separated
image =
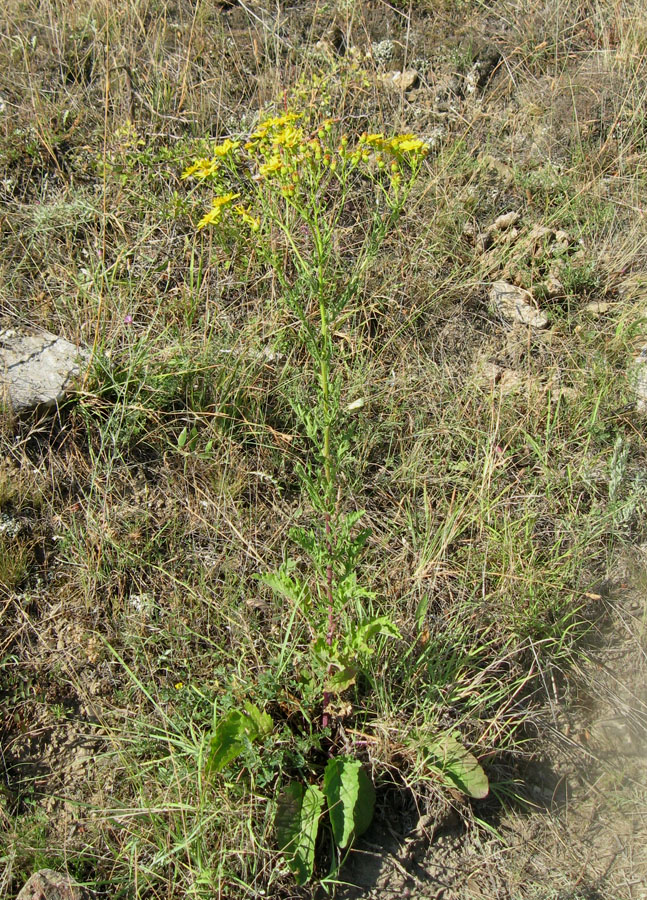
<point x="128" y="594"/>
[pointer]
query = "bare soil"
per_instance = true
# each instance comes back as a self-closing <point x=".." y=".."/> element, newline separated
<point x="578" y="830"/>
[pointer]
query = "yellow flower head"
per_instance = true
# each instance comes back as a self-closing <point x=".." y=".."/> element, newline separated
<point x="224" y="200"/>
<point x="202" y="168"/>
<point x="210" y="218"/>
<point x="215" y="213"/>
<point x="373" y="140"/>
<point x="225" y="148"/>
<point x="288" y="137"/>
<point x="408" y="143"/>
<point x="272" y="166"/>
<point x="247" y="217"/>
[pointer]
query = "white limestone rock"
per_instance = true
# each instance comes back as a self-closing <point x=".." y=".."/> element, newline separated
<point x="37" y="369"/>
<point x="516" y="305"/>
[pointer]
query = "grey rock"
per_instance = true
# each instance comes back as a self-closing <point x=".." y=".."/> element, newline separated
<point x="37" y="369"/>
<point x="516" y="305"/>
<point x="47" y="884"/>
<point x="539" y="236"/>
<point x="598" y="308"/>
<point x="553" y="286"/>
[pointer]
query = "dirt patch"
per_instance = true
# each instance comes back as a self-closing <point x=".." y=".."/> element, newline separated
<point x="581" y="831"/>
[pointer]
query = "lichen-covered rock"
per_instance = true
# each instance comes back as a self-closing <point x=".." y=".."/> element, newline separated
<point x="50" y="885"/>
<point x="37" y="369"/>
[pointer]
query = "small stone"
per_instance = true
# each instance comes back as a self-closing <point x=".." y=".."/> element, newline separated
<point x="505" y="221"/>
<point x="538" y="237"/>
<point x="511" y="236"/>
<point x="489" y="373"/>
<point x="37" y="368"/>
<point x="553" y="287"/>
<point x="407" y="80"/>
<point x="47" y="884"/>
<point x="598" y="308"/>
<point x="516" y="305"/>
<point x="509" y="382"/>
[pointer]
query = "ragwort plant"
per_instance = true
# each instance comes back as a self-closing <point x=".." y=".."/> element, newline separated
<point x="284" y="195"/>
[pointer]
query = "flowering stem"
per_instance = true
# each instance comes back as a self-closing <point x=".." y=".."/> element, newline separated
<point x="329" y="475"/>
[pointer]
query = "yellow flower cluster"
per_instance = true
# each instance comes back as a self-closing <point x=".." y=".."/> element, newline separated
<point x="218" y="204"/>
<point x="395" y="146"/>
<point x="205" y="168"/>
<point x="202" y="168"/>
<point x="268" y="127"/>
<point x="284" y="151"/>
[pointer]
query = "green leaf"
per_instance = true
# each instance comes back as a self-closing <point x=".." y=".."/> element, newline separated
<point x="364" y="633"/>
<point x="341" y="680"/>
<point x="285" y="585"/>
<point x="183" y="435"/>
<point x="226" y="741"/>
<point x="421" y="612"/>
<point x="231" y="732"/>
<point x="193" y="439"/>
<point x="351" y="798"/>
<point x="459" y="767"/>
<point x="297" y="823"/>
<point x="261" y="721"/>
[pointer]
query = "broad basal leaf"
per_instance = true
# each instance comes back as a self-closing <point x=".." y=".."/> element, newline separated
<point x="231" y="732"/>
<point x="260" y="724"/>
<point x="226" y="741"/>
<point x="460" y="767"/>
<point x="351" y="798"/>
<point x="297" y="823"/>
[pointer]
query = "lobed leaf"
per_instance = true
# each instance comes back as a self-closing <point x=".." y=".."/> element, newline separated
<point x="231" y="732"/>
